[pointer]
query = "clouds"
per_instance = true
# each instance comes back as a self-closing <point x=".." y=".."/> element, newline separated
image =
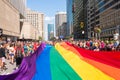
<point x="49" y="18"/>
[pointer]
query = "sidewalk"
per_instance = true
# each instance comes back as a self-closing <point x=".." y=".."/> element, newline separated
<point x="10" y="68"/>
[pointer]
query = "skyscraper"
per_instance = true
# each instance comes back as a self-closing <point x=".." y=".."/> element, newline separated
<point x="63" y="30"/>
<point x="37" y="20"/>
<point x="60" y="18"/>
<point x="50" y="31"/>
<point x="106" y="15"/>
<point x="69" y="17"/>
<point x="79" y="19"/>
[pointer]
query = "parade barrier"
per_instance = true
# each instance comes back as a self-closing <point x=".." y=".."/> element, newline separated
<point x="65" y="61"/>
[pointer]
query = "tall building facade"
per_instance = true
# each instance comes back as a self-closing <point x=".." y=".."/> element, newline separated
<point x="79" y="19"/>
<point x="28" y="32"/>
<point x="69" y="17"/>
<point x="60" y="18"/>
<point x="37" y="20"/>
<point x="20" y="5"/>
<point x="63" y="30"/>
<point x="50" y="31"/>
<point x="10" y="19"/>
<point x="106" y="15"/>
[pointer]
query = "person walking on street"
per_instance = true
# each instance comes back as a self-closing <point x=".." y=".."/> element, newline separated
<point x="19" y="55"/>
<point x="12" y="53"/>
<point x="2" y="57"/>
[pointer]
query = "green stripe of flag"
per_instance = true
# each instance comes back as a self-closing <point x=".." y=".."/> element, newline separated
<point x="60" y="69"/>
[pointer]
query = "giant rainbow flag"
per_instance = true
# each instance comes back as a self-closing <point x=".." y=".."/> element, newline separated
<point x="65" y="61"/>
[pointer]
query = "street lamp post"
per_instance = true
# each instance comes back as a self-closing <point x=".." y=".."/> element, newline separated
<point x="35" y="35"/>
<point x="23" y="37"/>
<point x="83" y="32"/>
<point x="92" y="34"/>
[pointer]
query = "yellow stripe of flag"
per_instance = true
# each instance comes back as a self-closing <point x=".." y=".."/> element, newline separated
<point x="82" y="68"/>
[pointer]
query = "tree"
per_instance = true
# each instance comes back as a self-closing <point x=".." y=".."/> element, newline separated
<point x="67" y="37"/>
<point x="52" y="39"/>
<point x="40" y="38"/>
<point x="98" y="31"/>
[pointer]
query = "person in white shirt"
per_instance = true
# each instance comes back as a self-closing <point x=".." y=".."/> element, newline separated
<point x="11" y="53"/>
<point x="116" y="35"/>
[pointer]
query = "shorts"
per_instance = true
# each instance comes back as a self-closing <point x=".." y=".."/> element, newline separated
<point x="3" y="59"/>
<point x="11" y="54"/>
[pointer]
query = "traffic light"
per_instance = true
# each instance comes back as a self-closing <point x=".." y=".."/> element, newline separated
<point x="81" y="24"/>
<point x="1" y="32"/>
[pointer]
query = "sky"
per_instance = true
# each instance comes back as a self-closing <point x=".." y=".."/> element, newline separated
<point x="48" y="7"/>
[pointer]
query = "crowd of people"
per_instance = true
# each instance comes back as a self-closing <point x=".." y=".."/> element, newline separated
<point x="15" y="51"/>
<point x="98" y="45"/>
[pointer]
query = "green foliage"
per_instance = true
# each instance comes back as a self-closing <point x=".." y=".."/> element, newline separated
<point x="97" y="30"/>
<point x="52" y="39"/>
<point x="40" y="38"/>
<point x="68" y="37"/>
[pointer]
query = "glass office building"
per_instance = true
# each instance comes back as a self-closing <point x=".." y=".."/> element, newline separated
<point x="79" y="19"/>
<point x="105" y="14"/>
<point x="69" y="17"/>
<point x="50" y="31"/>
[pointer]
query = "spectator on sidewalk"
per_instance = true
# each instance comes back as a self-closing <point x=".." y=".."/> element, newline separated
<point x="2" y="52"/>
<point x="19" y="55"/>
<point x="12" y="53"/>
<point x="25" y="49"/>
<point x="116" y="35"/>
<point x="118" y="47"/>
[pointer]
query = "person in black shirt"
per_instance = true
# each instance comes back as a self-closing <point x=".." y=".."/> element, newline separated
<point x="2" y="56"/>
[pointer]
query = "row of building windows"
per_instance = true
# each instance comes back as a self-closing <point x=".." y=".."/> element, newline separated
<point x="98" y="1"/>
<point x="108" y="32"/>
<point x="97" y="17"/>
<point x="93" y="12"/>
<point x="110" y="20"/>
<point x="107" y="6"/>
<point x="117" y="7"/>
